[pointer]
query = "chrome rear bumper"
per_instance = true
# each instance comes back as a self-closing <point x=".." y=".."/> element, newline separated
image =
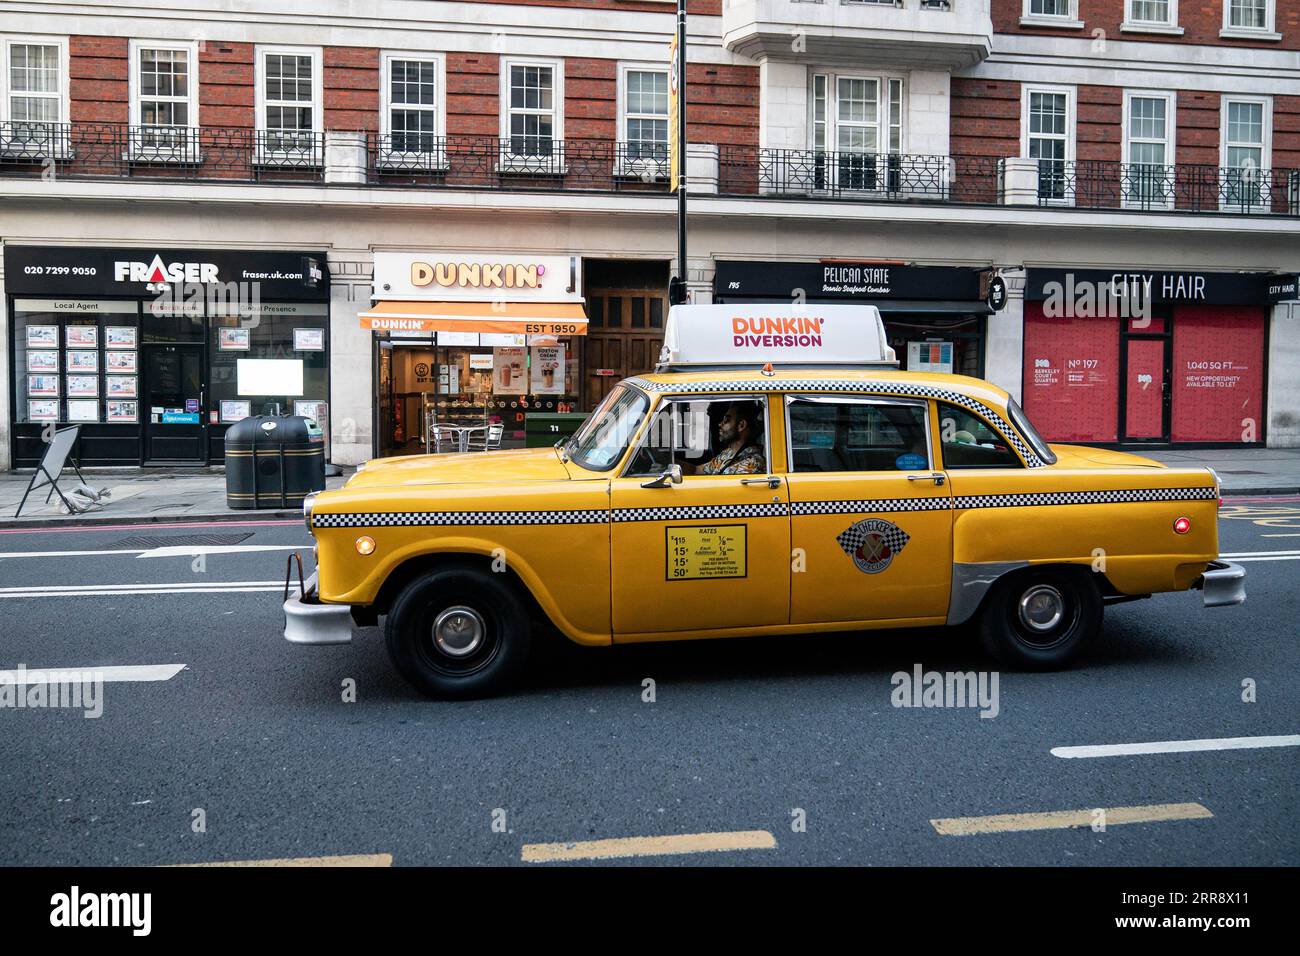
<point x="1223" y="584"/>
<point x="307" y="621"/>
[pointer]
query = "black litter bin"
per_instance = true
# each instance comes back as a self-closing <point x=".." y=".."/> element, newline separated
<point x="273" y="461"/>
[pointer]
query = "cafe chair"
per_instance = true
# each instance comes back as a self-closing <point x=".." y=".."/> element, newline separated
<point x="445" y="438"/>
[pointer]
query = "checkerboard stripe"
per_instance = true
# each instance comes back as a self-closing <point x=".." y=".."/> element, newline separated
<point x="858" y="506"/>
<point x="1120" y="496"/>
<point x="391" y="519"/>
<point x="870" y="506"/>
<point x="703" y="512"/>
<point x="908" y="389"/>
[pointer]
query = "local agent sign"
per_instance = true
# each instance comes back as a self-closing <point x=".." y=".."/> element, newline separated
<point x="442" y="277"/>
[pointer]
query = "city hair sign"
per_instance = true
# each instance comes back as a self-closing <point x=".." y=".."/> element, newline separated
<point x="1132" y="290"/>
<point x="477" y="277"/>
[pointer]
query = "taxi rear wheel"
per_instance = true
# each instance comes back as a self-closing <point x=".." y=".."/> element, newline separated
<point x="1041" y="620"/>
<point x="457" y="633"/>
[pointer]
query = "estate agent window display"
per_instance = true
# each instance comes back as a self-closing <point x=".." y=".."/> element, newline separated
<point x="75" y="361"/>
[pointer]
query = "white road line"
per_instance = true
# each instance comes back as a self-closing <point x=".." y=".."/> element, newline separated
<point x="170" y="551"/>
<point x="1177" y="746"/>
<point x="129" y="673"/>
<point x="1285" y="557"/>
<point x="1261" y="554"/>
<point x="184" y="551"/>
<point x="128" y="590"/>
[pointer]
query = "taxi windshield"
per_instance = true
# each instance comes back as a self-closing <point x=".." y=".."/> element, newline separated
<point x="599" y="444"/>
<point x="1021" y="421"/>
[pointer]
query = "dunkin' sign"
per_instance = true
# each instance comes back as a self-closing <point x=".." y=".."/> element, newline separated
<point x="778" y="332"/>
<point x="771" y="331"/>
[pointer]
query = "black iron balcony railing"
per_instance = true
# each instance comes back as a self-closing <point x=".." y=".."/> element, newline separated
<point x="422" y="161"/>
<point x="1095" y="184"/>
<point x="749" y="170"/>
<point x="405" y="159"/>
<point x="117" y="151"/>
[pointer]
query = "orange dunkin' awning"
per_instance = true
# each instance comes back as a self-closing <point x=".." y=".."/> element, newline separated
<point x="532" y="318"/>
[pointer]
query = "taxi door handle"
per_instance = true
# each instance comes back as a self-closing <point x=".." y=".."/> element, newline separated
<point x="937" y="477"/>
<point x="772" y="481"/>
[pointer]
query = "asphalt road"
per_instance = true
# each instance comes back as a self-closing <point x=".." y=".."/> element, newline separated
<point x="742" y="736"/>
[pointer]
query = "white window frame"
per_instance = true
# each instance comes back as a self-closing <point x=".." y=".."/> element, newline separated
<point x="1168" y="26"/>
<point x="1069" y="21"/>
<point x="189" y="152"/>
<point x="524" y="163"/>
<point x="885" y="121"/>
<point x="1171" y="131"/>
<point x="427" y="162"/>
<point x="1266" y="147"/>
<point x="62" y="145"/>
<point x="1071" y="130"/>
<point x="1266" y="32"/>
<point x="274" y="157"/>
<point x="639" y="167"/>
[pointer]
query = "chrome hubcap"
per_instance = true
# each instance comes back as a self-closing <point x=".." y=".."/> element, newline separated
<point x="1041" y="608"/>
<point x="459" y="631"/>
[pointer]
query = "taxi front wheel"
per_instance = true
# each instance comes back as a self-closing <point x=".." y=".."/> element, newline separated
<point x="1040" y="620"/>
<point x="458" y="633"/>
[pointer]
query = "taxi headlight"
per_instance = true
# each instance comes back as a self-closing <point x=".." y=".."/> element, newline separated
<point x="306" y="509"/>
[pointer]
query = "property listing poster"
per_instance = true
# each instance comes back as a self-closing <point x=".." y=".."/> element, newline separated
<point x="1218" y="374"/>
<point x="1071" y="376"/>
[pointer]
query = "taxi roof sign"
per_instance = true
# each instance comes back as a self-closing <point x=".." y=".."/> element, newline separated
<point x="753" y="334"/>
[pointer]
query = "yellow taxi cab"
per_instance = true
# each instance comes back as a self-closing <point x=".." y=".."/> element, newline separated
<point x="776" y="475"/>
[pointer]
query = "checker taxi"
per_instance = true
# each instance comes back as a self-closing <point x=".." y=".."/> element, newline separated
<point x="777" y="474"/>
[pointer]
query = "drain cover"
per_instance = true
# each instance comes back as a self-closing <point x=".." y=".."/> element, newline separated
<point x="147" y="543"/>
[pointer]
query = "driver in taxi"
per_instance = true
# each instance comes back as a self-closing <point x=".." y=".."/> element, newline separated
<point x="740" y="444"/>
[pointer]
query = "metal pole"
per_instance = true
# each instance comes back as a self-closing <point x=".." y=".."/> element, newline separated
<point x="681" y="145"/>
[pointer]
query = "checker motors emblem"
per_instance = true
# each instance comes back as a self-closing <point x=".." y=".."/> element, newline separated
<point x="872" y="543"/>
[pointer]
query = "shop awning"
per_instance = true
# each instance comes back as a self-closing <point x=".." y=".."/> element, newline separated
<point x="532" y="318"/>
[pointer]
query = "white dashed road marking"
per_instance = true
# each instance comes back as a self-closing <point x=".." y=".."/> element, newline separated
<point x="1177" y="746"/>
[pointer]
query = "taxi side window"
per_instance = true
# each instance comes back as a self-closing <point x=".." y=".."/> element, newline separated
<point x="968" y="441"/>
<point x="688" y="433"/>
<point x="829" y="435"/>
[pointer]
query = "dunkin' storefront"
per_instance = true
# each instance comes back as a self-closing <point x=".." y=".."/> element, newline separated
<point x="155" y="352"/>
<point x="474" y="338"/>
<point x="1149" y="357"/>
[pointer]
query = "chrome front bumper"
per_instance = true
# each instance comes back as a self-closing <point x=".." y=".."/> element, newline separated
<point x="307" y="621"/>
<point x="1223" y="584"/>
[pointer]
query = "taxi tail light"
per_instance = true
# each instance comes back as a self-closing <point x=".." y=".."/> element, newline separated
<point x="1182" y="525"/>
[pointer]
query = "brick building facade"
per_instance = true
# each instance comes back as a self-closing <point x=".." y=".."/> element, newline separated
<point x="1038" y="138"/>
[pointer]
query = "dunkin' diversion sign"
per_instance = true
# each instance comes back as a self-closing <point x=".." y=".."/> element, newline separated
<point x="755" y="333"/>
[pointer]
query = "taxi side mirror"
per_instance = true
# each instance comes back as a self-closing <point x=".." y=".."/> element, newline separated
<point x="670" y="475"/>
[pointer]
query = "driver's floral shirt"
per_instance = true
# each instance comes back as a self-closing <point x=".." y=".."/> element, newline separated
<point x="746" y="461"/>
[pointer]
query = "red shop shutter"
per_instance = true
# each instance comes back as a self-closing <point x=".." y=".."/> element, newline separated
<point x="1218" y="374"/>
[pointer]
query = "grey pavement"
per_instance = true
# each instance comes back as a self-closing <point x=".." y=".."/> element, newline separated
<point x="1243" y="471"/>
<point x="136" y="495"/>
